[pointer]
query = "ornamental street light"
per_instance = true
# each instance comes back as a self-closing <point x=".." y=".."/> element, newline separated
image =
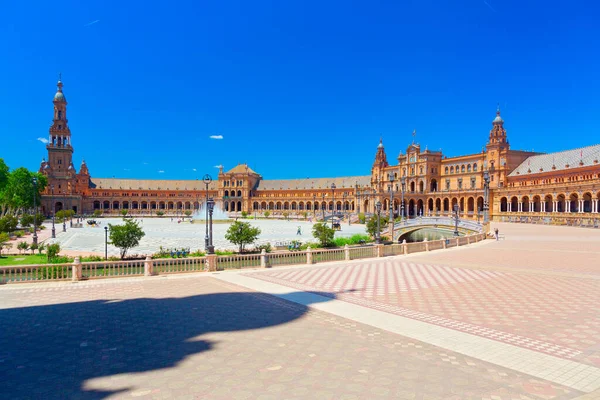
<point x="402" y="182"/>
<point x="63" y="210"/>
<point x="486" y="194"/>
<point x="456" y="209"/>
<point x="323" y="206"/>
<point x="207" y="179"/>
<point x="35" y="238"/>
<point x="357" y="199"/>
<point x="105" y="243"/>
<point x="392" y="205"/>
<point x="314" y="209"/>
<point x="332" y="203"/>
<point x="210" y="205"/>
<point x="378" y="209"/>
<point x="53" y="210"/>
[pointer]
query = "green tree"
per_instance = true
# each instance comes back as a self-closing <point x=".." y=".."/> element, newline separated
<point x="124" y="212"/>
<point x="3" y="175"/>
<point x="33" y="247"/>
<point x="22" y="246"/>
<point x="52" y="251"/>
<point x="126" y="236"/>
<point x="266" y="214"/>
<point x="371" y="227"/>
<point x="19" y="190"/>
<point x="242" y="233"/>
<point x="323" y="233"/>
<point x="361" y="218"/>
<point x="41" y="247"/>
<point x="305" y="214"/>
<point x="26" y="220"/>
<point x="188" y="213"/>
<point x="4" y="241"/>
<point x="244" y="214"/>
<point x="8" y="223"/>
<point x="285" y="214"/>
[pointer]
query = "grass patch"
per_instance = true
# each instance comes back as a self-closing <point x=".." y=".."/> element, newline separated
<point x="354" y="239"/>
<point x="24" y="259"/>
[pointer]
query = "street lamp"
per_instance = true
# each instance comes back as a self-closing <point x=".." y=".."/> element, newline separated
<point x="403" y="182"/>
<point x="207" y="179"/>
<point x="105" y="243"/>
<point x="35" y="238"/>
<point x="357" y="199"/>
<point x="210" y="203"/>
<point x="313" y="206"/>
<point x="378" y="209"/>
<point x="486" y="194"/>
<point x="63" y="210"/>
<point x="332" y="203"/>
<point x="392" y="204"/>
<point x="456" y="209"/>
<point x="53" y="210"/>
<point x="323" y="206"/>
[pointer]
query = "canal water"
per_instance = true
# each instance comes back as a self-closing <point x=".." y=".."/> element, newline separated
<point x="429" y="234"/>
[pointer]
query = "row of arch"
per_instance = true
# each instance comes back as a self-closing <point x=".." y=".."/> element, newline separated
<point x="572" y="203"/>
<point x="145" y="205"/>
<point x="462" y="169"/>
<point x="303" y="206"/>
<point x="414" y="207"/>
<point x="233" y="193"/>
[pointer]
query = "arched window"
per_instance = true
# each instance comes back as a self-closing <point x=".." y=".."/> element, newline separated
<point x="59" y="114"/>
<point x="469" y="168"/>
<point x="462" y="169"/>
<point x="446" y="170"/>
<point x="475" y="167"/>
<point x="452" y="169"/>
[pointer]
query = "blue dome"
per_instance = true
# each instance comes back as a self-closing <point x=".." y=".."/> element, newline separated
<point x="498" y="119"/>
<point x="59" y="96"/>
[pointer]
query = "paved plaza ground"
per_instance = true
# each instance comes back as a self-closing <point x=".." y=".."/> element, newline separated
<point x="168" y="233"/>
<point x="511" y="319"/>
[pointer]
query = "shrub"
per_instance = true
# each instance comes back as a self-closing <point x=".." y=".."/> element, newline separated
<point x="266" y="247"/>
<point x="26" y="220"/>
<point x="188" y="213"/>
<point x="19" y="234"/>
<point x="22" y="246"/>
<point x="285" y="214"/>
<point x="8" y="223"/>
<point x="244" y="214"/>
<point x="224" y="252"/>
<point x="92" y="258"/>
<point x="305" y="214"/>
<point x="124" y="212"/>
<point x="97" y="213"/>
<point x="352" y="240"/>
<point x="266" y="214"/>
<point x="41" y="247"/>
<point x="61" y="260"/>
<point x="33" y="247"/>
<point x="361" y="218"/>
<point x="371" y="227"/>
<point x="306" y="245"/>
<point x="323" y="234"/>
<point x="52" y="251"/>
<point x="160" y="213"/>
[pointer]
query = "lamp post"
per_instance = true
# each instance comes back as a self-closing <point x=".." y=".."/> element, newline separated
<point x="456" y="209"/>
<point x="210" y="203"/>
<point x="332" y="203"/>
<point x="70" y="215"/>
<point x="63" y="210"/>
<point x="378" y="208"/>
<point x="53" y="210"/>
<point x="357" y="199"/>
<point x="207" y="179"/>
<point x="486" y="194"/>
<point x="323" y="207"/>
<point x="392" y="205"/>
<point x="313" y="205"/>
<point x="105" y="243"/>
<point x="478" y="213"/>
<point x="35" y="238"/>
<point x="402" y="182"/>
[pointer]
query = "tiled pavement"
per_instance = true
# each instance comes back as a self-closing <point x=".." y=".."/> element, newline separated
<point x="202" y="337"/>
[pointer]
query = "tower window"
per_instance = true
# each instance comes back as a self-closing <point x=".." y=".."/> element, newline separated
<point x="60" y="127"/>
<point x="59" y="114"/>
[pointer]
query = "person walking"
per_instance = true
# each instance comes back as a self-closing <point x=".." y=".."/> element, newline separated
<point x="299" y="232"/>
<point x="496" y="234"/>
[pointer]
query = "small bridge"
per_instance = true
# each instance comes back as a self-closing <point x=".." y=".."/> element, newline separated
<point x="411" y="225"/>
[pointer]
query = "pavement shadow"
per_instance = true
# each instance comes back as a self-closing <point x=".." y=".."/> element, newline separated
<point x="50" y="351"/>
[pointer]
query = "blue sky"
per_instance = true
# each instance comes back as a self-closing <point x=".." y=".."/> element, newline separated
<point x="296" y="88"/>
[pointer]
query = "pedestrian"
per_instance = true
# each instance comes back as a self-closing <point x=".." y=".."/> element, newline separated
<point x="496" y="233"/>
<point x="299" y="232"/>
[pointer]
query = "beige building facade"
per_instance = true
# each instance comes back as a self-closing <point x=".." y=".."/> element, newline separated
<point x="522" y="186"/>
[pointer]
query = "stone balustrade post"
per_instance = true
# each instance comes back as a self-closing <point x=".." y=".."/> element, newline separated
<point x="443" y="243"/>
<point x="148" y="266"/>
<point x="404" y="247"/>
<point x="457" y="242"/>
<point x="379" y="250"/>
<point x="347" y="253"/>
<point x="263" y="258"/>
<point x="211" y="262"/>
<point x="468" y="239"/>
<point x="426" y="244"/>
<point x="77" y="271"/>
<point x="309" y="256"/>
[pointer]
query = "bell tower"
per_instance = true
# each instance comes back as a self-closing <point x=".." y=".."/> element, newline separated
<point x="498" y="133"/>
<point x="60" y="151"/>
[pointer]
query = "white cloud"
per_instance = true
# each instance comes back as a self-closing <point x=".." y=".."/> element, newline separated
<point x="161" y="171"/>
<point x="194" y="169"/>
<point x="92" y="23"/>
<point x="145" y="163"/>
<point x="218" y="166"/>
<point x="216" y="136"/>
<point x="126" y="169"/>
<point x="43" y="140"/>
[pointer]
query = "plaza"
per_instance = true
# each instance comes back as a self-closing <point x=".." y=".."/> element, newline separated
<point x="170" y="234"/>
<point x="510" y="319"/>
